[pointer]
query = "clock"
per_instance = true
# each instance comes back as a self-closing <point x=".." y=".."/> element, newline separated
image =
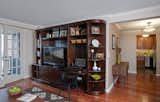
<point x="95" y="43"/>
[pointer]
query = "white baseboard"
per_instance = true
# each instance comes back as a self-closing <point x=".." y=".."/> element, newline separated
<point x="132" y="72"/>
<point x="111" y="86"/>
<point x="157" y="74"/>
<point x="27" y="76"/>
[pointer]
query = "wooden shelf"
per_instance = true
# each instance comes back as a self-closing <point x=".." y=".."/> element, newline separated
<point x="96" y="60"/>
<point x="97" y="34"/>
<point x="98" y="81"/>
<point x="58" y="38"/>
<point x="84" y="44"/>
<point x="95" y="71"/>
<point x="101" y="47"/>
<point x="78" y="36"/>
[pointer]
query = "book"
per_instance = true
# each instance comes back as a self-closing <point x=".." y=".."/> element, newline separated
<point x="27" y="97"/>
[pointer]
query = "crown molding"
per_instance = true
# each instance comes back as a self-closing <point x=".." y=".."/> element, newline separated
<point x="138" y="14"/>
<point x="17" y="24"/>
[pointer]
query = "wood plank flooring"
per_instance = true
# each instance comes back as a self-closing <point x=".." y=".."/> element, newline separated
<point x="136" y="88"/>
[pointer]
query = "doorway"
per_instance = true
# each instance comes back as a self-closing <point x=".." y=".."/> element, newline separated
<point x="10" y="59"/>
<point x="146" y="54"/>
<point x="138" y="41"/>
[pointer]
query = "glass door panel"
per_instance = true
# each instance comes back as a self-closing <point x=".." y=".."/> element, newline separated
<point x="13" y="55"/>
<point x="1" y="56"/>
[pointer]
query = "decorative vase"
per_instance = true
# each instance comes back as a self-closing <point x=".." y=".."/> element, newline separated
<point x="95" y="66"/>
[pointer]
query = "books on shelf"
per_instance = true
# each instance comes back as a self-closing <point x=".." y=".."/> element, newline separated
<point x="27" y="97"/>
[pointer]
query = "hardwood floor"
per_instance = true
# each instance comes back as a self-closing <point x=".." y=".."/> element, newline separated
<point x="137" y="88"/>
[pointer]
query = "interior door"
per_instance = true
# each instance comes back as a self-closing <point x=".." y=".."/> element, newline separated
<point x="10" y="61"/>
<point x="1" y="57"/>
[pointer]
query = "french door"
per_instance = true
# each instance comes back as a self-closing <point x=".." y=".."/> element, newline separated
<point x="10" y="59"/>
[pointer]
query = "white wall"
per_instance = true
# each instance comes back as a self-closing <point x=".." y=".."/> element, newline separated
<point x="27" y="51"/>
<point x="112" y="30"/>
<point x="158" y="52"/>
<point x="128" y="47"/>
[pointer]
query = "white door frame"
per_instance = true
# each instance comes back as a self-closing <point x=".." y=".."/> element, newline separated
<point x="13" y="77"/>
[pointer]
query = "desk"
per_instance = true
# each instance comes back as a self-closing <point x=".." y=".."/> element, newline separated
<point x="120" y="69"/>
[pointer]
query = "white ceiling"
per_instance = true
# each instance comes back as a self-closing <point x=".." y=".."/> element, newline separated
<point x="138" y="25"/>
<point x="49" y="12"/>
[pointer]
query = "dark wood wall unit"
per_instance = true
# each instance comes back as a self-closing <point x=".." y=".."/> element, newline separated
<point x="78" y="39"/>
<point x="146" y="42"/>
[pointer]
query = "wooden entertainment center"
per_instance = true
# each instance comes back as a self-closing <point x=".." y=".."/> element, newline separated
<point x="78" y="48"/>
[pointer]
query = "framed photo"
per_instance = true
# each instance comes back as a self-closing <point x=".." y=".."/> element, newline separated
<point x="72" y="31"/>
<point x="113" y="41"/>
<point x="95" y="30"/>
<point x="100" y="56"/>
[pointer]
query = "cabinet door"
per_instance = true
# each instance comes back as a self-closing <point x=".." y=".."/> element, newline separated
<point x="140" y="41"/>
<point x="147" y="43"/>
<point x="153" y="42"/>
<point x="43" y="73"/>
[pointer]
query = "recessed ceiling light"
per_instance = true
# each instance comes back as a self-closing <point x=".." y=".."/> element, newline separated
<point x="145" y="35"/>
<point x="149" y="28"/>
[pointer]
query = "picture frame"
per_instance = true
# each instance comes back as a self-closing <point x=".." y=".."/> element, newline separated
<point x="95" y="30"/>
<point x="113" y="41"/>
<point x="72" y="31"/>
<point x="100" y="56"/>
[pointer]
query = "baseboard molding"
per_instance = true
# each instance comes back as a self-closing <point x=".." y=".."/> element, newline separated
<point x="111" y="86"/>
<point x="157" y="74"/>
<point x="27" y="76"/>
<point x="132" y="72"/>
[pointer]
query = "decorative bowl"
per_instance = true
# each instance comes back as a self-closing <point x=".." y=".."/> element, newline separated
<point x="84" y="40"/>
<point x="73" y="41"/>
<point x="78" y="41"/>
<point x="15" y="90"/>
<point x="96" y="76"/>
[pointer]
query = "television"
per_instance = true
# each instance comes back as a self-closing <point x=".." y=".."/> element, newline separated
<point x="54" y="56"/>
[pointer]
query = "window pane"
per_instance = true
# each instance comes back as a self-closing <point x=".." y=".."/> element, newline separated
<point x="9" y="52"/>
<point x="14" y="36"/>
<point x="15" y="44"/>
<point x="19" y="70"/>
<point x="10" y="36"/>
<point x="14" y="62"/>
<point x="14" y="71"/>
<point x="18" y="62"/>
<point x="15" y="53"/>
<point x="9" y="44"/>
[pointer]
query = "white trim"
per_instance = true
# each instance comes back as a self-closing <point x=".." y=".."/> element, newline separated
<point x="144" y="13"/>
<point x="157" y="74"/>
<point x="27" y="76"/>
<point x="17" y="24"/>
<point x="132" y="72"/>
<point x="111" y="86"/>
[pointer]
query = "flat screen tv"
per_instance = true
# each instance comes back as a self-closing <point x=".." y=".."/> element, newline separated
<point x="54" y="56"/>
